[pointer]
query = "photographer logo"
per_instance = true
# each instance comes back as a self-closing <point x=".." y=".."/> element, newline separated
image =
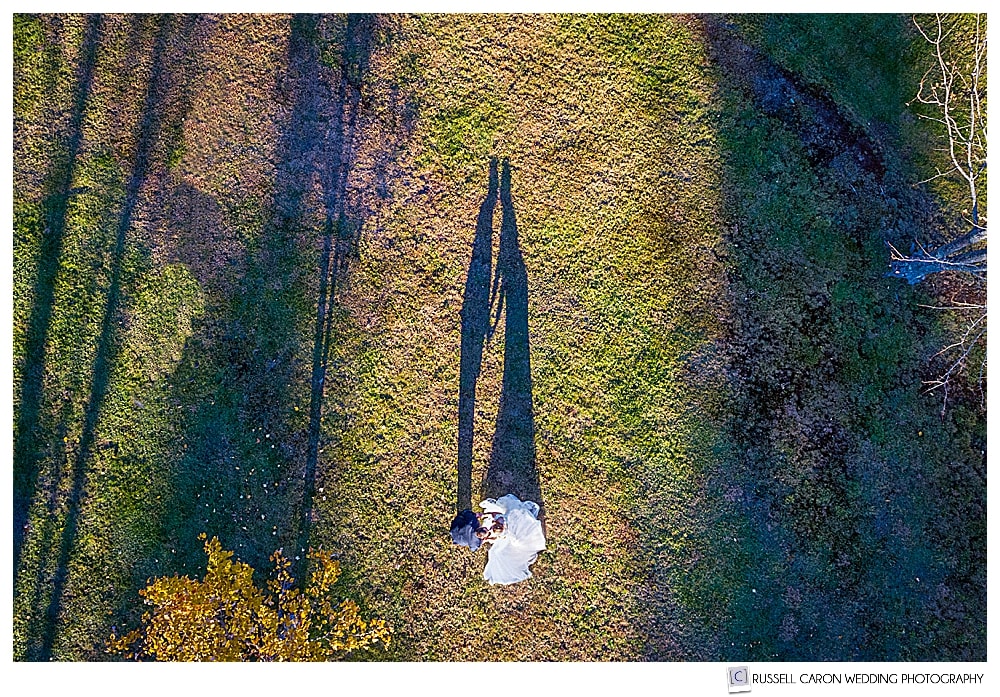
<point x="739" y="679"/>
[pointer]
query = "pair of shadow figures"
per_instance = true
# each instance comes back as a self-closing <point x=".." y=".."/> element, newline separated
<point x="489" y="295"/>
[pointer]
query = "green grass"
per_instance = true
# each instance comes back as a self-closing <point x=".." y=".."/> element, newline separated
<point x="831" y="468"/>
<point x="865" y="62"/>
<point x="138" y="467"/>
<point x="602" y="308"/>
<point x="725" y="389"/>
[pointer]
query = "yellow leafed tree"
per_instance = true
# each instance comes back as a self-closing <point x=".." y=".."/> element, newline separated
<point x="226" y="617"/>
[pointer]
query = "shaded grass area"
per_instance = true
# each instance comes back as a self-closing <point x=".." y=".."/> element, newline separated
<point x="843" y="477"/>
<point x="249" y="325"/>
<point x="865" y="62"/>
<point x="185" y="427"/>
<point x="871" y="65"/>
<point x="89" y="479"/>
<point x="52" y="225"/>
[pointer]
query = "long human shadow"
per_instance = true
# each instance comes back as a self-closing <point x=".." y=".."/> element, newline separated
<point x="512" y="468"/>
<point x="340" y="237"/>
<point x="475" y="326"/>
<point x="58" y="188"/>
<point x="107" y="344"/>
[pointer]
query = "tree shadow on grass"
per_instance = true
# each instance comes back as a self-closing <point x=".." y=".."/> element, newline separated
<point x="249" y="468"/>
<point x="237" y="477"/>
<point x="148" y="130"/>
<point x="340" y="241"/>
<point x="58" y="187"/>
<point x="834" y="531"/>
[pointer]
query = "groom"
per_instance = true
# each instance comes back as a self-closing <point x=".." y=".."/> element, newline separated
<point x="464" y="529"/>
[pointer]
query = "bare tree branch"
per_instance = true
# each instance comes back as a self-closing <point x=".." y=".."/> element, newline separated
<point x="954" y="88"/>
<point x="914" y="268"/>
<point x="973" y="237"/>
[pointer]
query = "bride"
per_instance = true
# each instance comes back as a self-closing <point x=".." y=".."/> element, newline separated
<point x="516" y="536"/>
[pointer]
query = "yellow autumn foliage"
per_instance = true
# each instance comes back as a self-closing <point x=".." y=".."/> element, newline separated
<point x="226" y="617"/>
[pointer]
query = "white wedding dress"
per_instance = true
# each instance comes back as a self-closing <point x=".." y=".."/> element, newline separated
<point x="520" y="543"/>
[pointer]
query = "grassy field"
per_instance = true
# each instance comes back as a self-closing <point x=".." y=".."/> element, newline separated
<point x="240" y="263"/>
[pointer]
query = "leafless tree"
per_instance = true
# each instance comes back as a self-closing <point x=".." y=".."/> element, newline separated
<point x="953" y="89"/>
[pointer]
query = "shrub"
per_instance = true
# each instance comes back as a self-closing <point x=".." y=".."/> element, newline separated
<point x="226" y="617"/>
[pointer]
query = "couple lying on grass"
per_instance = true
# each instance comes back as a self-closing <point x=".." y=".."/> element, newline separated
<point x="512" y="528"/>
